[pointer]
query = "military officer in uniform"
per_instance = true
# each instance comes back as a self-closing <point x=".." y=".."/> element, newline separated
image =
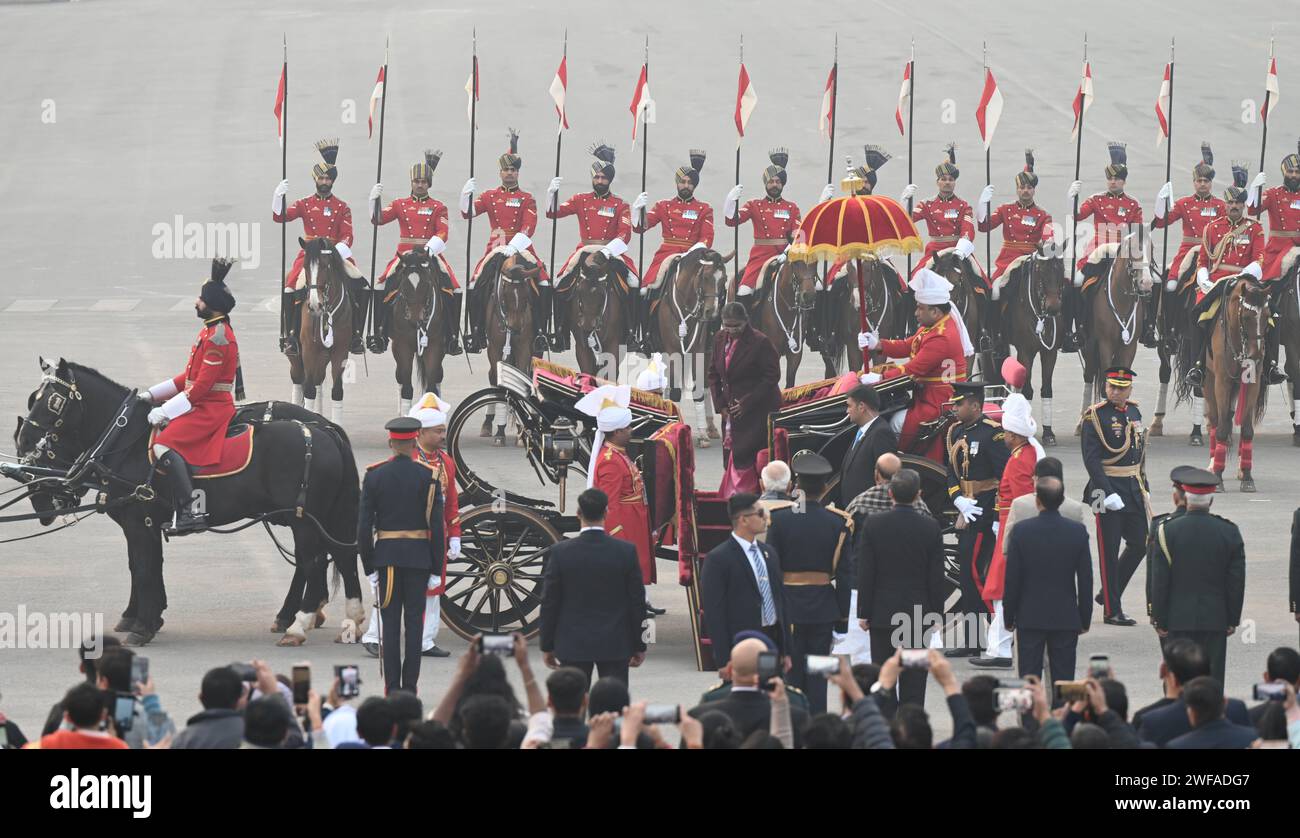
<point x="774" y="218"/>
<point x="1114" y="453"/>
<point x="1195" y="211"/>
<point x="810" y="541"/>
<point x="950" y="220"/>
<point x="400" y="538"/>
<point x="1197" y="570"/>
<point x="977" y="454"/>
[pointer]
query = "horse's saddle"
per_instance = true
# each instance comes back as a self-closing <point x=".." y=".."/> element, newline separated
<point x="236" y="452"/>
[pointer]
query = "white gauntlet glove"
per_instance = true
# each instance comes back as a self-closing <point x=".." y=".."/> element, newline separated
<point x="1113" y="502"/>
<point x="1073" y="191"/>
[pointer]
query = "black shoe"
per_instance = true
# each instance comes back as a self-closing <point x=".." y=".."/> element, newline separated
<point x="377" y="344"/>
<point x="1196" y="440"/>
<point x="652" y="612"/>
<point x="1097" y="599"/>
<point x="453" y="345"/>
<point x="1120" y="619"/>
<point x="1274" y="376"/>
<point x="1195" y="376"/>
<point x="991" y="663"/>
<point x="435" y="651"/>
<point x="372" y="649"/>
<point x="960" y="653"/>
<point x="358" y="345"/>
<point x="1072" y="342"/>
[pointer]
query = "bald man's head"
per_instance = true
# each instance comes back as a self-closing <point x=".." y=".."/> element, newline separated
<point x="887" y="465"/>
<point x="744" y="661"/>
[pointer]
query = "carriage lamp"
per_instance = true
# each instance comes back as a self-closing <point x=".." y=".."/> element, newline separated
<point x="560" y="446"/>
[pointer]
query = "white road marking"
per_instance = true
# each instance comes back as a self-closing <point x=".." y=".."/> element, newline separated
<point x="119" y="304"/>
<point x="30" y="305"/>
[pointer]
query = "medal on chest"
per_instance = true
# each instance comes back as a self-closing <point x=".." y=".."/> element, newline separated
<point x="782" y="214"/>
<point x="1209" y="212"/>
<point x="424" y="211"/>
<point x="690" y="215"/>
<point x="326" y="211"/>
<point x="514" y="202"/>
<point x="605" y="212"/>
<point x="974" y="448"/>
<point x="951" y="214"/>
<point x="1029" y="221"/>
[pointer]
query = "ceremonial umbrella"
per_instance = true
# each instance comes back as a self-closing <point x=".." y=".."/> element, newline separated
<point x="855" y="227"/>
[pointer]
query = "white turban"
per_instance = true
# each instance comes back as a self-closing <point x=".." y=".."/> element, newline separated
<point x="431" y="410"/>
<point x="652" y="377"/>
<point x="1017" y="417"/>
<point x="608" y="404"/>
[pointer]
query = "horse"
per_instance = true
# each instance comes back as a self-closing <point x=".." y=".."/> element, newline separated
<point x="689" y="303"/>
<point x="1287" y="307"/>
<point x="967" y="303"/>
<point x="1117" y="307"/>
<point x="886" y="312"/>
<point x="508" y="281"/>
<point x="325" y="328"/>
<point x="297" y="474"/>
<point x="1031" y="320"/>
<point x="1234" y="362"/>
<point x="419" y="324"/>
<point x="788" y="300"/>
<point x="595" y="309"/>
<point x="1172" y="321"/>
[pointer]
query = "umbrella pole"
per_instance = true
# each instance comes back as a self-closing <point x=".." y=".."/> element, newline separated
<point x="862" y="306"/>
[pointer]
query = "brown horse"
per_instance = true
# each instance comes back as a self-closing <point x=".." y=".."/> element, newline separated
<point x="1287" y="306"/>
<point x="510" y="326"/>
<point x="1117" y="306"/>
<point x="788" y="302"/>
<point x="967" y="303"/>
<point x="1031" y="321"/>
<point x="690" y="300"/>
<point x="1233" y="365"/>
<point x="325" y="328"/>
<point x="886" y="309"/>
<point x="419" y="326"/>
<point x="594" y="314"/>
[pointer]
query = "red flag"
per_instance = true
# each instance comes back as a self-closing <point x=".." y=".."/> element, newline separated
<point x="904" y="94"/>
<point x="560" y="89"/>
<point x="1082" y="98"/>
<point x="279" y="105"/>
<point x="990" y="108"/>
<point x="642" y="107"/>
<point x="1162" y="107"/>
<point x="746" y="99"/>
<point x="1270" y="87"/>
<point x="471" y="91"/>
<point x="826" y="121"/>
<point x="375" y="96"/>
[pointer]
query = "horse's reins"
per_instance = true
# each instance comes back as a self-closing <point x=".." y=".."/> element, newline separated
<point x="593" y="337"/>
<point x="1036" y="310"/>
<point x="1127" y="334"/>
<point x="697" y="312"/>
<point x="326" y="322"/>
<point x="422" y="323"/>
<point x="794" y="342"/>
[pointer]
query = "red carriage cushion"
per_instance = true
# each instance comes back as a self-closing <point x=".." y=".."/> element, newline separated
<point x="236" y="454"/>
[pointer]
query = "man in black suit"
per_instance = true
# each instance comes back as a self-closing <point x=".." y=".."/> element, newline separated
<point x="1165" y="720"/>
<point x="900" y="578"/>
<point x="873" y="438"/>
<point x="741" y="587"/>
<point x="593" y="599"/>
<point x="748" y="705"/>
<point x="1048" y="597"/>
<point x="1209" y="729"/>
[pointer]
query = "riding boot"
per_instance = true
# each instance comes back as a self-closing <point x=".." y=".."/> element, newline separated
<point x="453" y="324"/>
<point x="378" y="340"/>
<point x="177" y="472"/>
<point x="1272" y="342"/>
<point x="1196" y="338"/>
<point x="360" y="296"/>
<point x="294" y="313"/>
<point x="1149" y="338"/>
<point x="1072" y="317"/>
<point x="812" y="325"/>
<point x="560" y="330"/>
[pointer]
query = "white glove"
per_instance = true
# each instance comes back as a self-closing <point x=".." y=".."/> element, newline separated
<point x="470" y="187"/>
<point x="1259" y="181"/>
<point x="554" y="186"/>
<point x="871" y="378"/>
<point x="343" y="249"/>
<point x="434" y="581"/>
<point x="518" y="244"/>
<point x="376" y="192"/>
<point x="1254" y="270"/>
<point x="1256" y="187"/>
<point x="1113" y="502"/>
<point x="277" y="200"/>
<point x="163" y="390"/>
<point x="466" y="193"/>
<point x="1162" y="199"/>
<point x="986" y="198"/>
<point x="177" y="405"/>
<point x="908" y="192"/>
<point x="615" y="248"/>
<point x="827" y="191"/>
<point x="733" y="198"/>
<point x="1073" y="191"/>
<point x="157" y="417"/>
<point x="435" y="245"/>
<point x="453" y="547"/>
<point x="996" y="527"/>
<point x="373" y="579"/>
<point x="282" y="188"/>
<point x="640" y="201"/>
<point x="868" y="340"/>
<point x="969" y="509"/>
<point x="965" y="247"/>
<point x="1203" y="280"/>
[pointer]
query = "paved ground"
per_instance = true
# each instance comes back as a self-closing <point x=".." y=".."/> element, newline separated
<point x="124" y="121"/>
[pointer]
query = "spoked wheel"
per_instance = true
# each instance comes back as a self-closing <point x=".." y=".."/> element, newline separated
<point x="496" y="585"/>
<point x="951" y="569"/>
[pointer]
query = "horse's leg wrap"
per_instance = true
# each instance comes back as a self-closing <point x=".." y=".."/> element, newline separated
<point x="1218" y="453"/>
<point x="1163" y="399"/>
<point x="1046" y="412"/>
<point x="1198" y="411"/>
<point x="301" y="624"/>
<point x="1246" y="451"/>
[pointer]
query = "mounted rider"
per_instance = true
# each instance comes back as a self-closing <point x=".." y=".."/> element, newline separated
<point x="422" y="221"/>
<point x="1283" y="206"/>
<point x="512" y="213"/>
<point x="324" y="215"/>
<point x="687" y="225"/>
<point x="1230" y="246"/>
<point x="1195" y="211"/>
<point x="949" y="220"/>
<point x="774" y="218"/>
<point x="195" y="407"/>
<point x="1025" y="225"/>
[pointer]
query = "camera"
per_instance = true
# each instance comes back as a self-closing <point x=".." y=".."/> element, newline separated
<point x="1099" y="666"/>
<point x="496" y="644"/>
<point x="1071" y="691"/>
<point x="1270" y="691"/>
<point x="916" y="659"/>
<point x="662" y="714"/>
<point x="769" y="667"/>
<point x="123" y="711"/>
<point x="1018" y="699"/>
<point x="349" y="678"/>
<point x="823" y="665"/>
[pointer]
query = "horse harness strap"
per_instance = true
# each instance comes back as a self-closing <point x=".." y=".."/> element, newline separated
<point x="301" y="502"/>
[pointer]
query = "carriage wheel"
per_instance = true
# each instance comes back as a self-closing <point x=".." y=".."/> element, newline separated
<point x="496" y="585"/>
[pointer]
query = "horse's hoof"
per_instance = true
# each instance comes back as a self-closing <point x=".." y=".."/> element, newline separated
<point x="291" y="640"/>
<point x="1198" y="441"/>
<point x="1049" y="438"/>
<point x="702" y="441"/>
<point x="138" y="637"/>
<point x="124" y="625"/>
<point x="486" y="430"/>
<point x="280" y="626"/>
<point x="498" y="442"/>
<point x="713" y="433"/>
<point x="1157" y="427"/>
<point x="320" y="618"/>
<point x="1247" y="484"/>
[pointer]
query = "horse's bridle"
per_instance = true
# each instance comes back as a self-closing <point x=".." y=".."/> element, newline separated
<point x="601" y="283"/>
<point x="503" y="277"/>
<point x="62" y="396"/>
<point x="330" y="308"/>
<point x="884" y="287"/>
<point x="424" y="321"/>
<point x="794" y="332"/>
<point x="697" y="311"/>
<point x="1244" y="353"/>
<point x="1037" y="310"/>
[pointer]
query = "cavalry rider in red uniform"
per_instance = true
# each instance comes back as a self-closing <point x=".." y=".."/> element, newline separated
<point x="1196" y="211"/>
<point x="936" y="358"/>
<point x="195" y="407"/>
<point x="604" y="222"/>
<point x="323" y="215"/>
<point x="1283" y="206"/>
<point x="949" y="219"/>
<point x="1112" y="211"/>
<point x="1230" y="246"/>
<point x="1025" y="225"/>
<point x="512" y="213"/>
<point x="687" y="225"/>
<point x="775" y="221"/>
<point x="422" y="221"/>
<point x="613" y="472"/>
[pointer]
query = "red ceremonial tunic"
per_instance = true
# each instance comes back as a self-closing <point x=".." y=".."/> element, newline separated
<point x="328" y="217"/>
<point x="509" y="211"/>
<point x="947" y="220"/>
<point x="685" y="223"/>
<point x="418" y="219"/>
<point x="935" y="361"/>
<point x="600" y="221"/>
<point x="1023" y="229"/>
<point x="1111" y="216"/>
<point x="1283" y="208"/>
<point x="774" y="223"/>
<point x="1246" y="245"/>
<point x="628" y="515"/>
<point x="444" y="471"/>
<point x="209" y="382"/>
<point x="1196" y="213"/>
<point x="1017" y="480"/>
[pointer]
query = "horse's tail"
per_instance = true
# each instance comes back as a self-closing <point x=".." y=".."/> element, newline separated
<point x="1261" y="402"/>
<point x="1183" y="361"/>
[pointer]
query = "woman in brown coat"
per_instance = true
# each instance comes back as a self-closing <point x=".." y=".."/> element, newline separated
<point x="743" y="375"/>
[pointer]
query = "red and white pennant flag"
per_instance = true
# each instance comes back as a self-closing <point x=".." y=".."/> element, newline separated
<point x="904" y="94"/>
<point x="1270" y="85"/>
<point x="642" y="107"/>
<point x="559" y="89"/>
<point x="279" y="106"/>
<point x="376" y="95"/>
<point x="746" y="99"/>
<point x="1162" y="107"/>
<point x="471" y="90"/>
<point x="826" y="120"/>
<point x="1082" y="99"/>
<point x="990" y="109"/>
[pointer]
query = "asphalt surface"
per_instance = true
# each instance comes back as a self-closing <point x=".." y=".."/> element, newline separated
<point x="121" y="122"/>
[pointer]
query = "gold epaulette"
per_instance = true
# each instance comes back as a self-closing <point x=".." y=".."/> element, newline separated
<point x="992" y="423"/>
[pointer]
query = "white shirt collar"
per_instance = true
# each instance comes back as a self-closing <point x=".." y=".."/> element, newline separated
<point x="747" y="546"/>
<point x="863" y="429"/>
<point x="597" y="527"/>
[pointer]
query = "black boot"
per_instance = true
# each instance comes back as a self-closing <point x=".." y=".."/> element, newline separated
<point x="453" y="325"/>
<point x="560" y="331"/>
<point x="1195" y="377"/>
<point x="177" y="473"/>
<point x="289" y="344"/>
<point x="1149" y="338"/>
<point x="634" y="335"/>
<point x="1272" y="375"/>
<point x="812" y="329"/>
<point x="360" y="294"/>
<point x="378" y="340"/>
<point x="1071" y="310"/>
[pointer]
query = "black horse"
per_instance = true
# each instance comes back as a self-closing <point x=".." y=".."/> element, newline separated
<point x="298" y="475"/>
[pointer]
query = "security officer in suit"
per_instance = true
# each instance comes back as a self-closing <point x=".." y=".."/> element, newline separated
<point x="1198" y="570"/>
<point x="400" y="538"/>
<point x="810" y="541"/>
<point x="1114" y="453"/>
<point x="976" y="454"/>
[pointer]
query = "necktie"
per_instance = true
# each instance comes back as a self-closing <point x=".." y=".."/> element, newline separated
<point x="764" y="587"/>
<point x="861" y="433"/>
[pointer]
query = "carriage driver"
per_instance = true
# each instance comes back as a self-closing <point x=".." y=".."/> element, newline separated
<point x="194" y="408"/>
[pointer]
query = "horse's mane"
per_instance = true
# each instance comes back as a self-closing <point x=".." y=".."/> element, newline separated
<point x="81" y="370"/>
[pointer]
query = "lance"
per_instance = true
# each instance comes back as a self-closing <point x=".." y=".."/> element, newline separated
<point x="735" y="241"/>
<point x="1169" y="163"/>
<point x="1078" y="154"/>
<point x="830" y="157"/>
<point x="988" y="178"/>
<point x="473" y="118"/>
<point x="911" y="106"/>
<point x="379" y="178"/>
<point x="1263" y="140"/>
<point x="284" y="175"/>
<point x="555" y="220"/>
<point x="645" y="150"/>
